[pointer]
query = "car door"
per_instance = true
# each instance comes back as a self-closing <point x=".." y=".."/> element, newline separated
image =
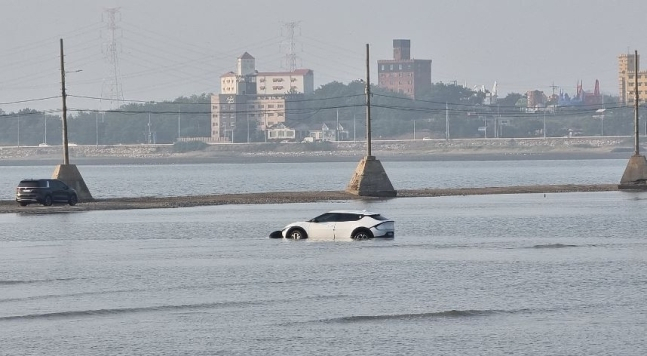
<point x="323" y="226"/>
<point x="345" y="225"/>
<point x="59" y="191"/>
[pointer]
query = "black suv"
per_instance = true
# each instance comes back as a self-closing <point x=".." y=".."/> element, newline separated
<point x="45" y="191"/>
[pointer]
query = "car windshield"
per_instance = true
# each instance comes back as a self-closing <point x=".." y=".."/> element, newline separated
<point x="379" y="217"/>
<point x="29" y="184"/>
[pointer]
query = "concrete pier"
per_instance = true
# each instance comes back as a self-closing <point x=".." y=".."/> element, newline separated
<point x="635" y="176"/>
<point x="370" y="179"/>
<point x="70" y="175"/>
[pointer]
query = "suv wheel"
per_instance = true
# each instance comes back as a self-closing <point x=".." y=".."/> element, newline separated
<point x="73" y="200"/>
<point x="22" y="203"/>
<point x="362" y="235"/>
<point x="48" y="200"/>
<point x="297" y="234"/>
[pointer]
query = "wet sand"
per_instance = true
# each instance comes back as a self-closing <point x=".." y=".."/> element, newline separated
<point x="8" y="206"/>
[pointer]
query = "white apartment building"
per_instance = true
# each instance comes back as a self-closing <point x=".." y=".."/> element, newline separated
<point x="256" y="100"/>
<point x="301" y="81"/>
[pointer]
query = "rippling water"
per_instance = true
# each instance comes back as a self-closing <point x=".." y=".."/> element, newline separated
<point x="560" y="274"/>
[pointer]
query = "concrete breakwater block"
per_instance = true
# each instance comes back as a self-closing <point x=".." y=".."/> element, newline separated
<point x="370" y="179"/>
<point x="70" y="175"/>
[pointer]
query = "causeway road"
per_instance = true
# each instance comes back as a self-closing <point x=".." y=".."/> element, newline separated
<point x="9" y="206"/>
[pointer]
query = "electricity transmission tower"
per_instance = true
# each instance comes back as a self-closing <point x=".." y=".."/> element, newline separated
<point x="290" y="44"/>
<point x="111" y="87"/>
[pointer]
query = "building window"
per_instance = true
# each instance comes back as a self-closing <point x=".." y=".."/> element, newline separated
<point x="391" y="66"/>
<point x="270" y="106"/>
<point x="400" y="66"/>
<point x="279" y="106"/>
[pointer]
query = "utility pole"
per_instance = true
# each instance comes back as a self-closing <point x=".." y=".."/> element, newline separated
<point x="96" y="128"/>
<point x="149" y="129"/>
<point x="544" y="123"/>
<point x="337" y="128"/>
<point x="18" y="129"/>
<point x="414" y="130"/>
<point x="179" y="118"/>
<point x="446" y="121"/>
<point x="368" y="103"/>
<point x="636" y="117"/>
<point x="66" y="156"/>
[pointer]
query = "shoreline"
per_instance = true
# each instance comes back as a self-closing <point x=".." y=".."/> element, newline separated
<point x="312" y="157"/>
<point x="10" y="206"/>
<point x="493" y="149"/>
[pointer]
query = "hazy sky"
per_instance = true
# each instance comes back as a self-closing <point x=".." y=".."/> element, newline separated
<point x="168" y="49"/>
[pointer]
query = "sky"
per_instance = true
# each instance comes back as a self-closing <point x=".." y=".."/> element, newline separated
<point x="168" y="49"/>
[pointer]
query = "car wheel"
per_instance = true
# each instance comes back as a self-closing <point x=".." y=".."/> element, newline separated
<point x="22" y="203"/>
<point x="73" y="200"/>
<point x="48" y="200"/>
<point x="362" y="234"/>
<point x="297" y="234"/>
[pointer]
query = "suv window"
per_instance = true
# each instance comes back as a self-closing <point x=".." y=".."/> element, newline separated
<point x="348" y="217"/>
<point x="327" y="217"/>
<point x="57" y="184"/>
<point x="378" y="217"/>
<point x="29" y="184"/>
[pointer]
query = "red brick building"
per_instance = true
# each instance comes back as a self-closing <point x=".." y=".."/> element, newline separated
<point x="403" y="74"/>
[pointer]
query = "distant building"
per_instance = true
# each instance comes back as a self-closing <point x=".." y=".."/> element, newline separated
<point x="626" y="79"/>
<point x="299" y="81"/>
<point x="411" y="77"/>
<point x="251" y="112"/>
<point x="582" y="98"/>
<point x="256" y="100"/>
<point x="536" y="99"/>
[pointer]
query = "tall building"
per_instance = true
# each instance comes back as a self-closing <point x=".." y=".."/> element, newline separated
<point x="403" y="74"/>
<point x="626" y="79"/>
<point x="252" y="101"/>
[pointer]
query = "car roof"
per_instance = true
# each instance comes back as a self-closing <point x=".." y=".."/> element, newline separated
<point x="360" y="212"/>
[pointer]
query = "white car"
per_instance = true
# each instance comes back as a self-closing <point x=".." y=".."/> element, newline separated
<point x="340" y="225"/>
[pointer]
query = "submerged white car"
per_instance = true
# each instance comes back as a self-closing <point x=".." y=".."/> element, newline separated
<point x="340" y="225"/>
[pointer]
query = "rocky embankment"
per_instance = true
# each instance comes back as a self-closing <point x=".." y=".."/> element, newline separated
<point x="388" y="150"/>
